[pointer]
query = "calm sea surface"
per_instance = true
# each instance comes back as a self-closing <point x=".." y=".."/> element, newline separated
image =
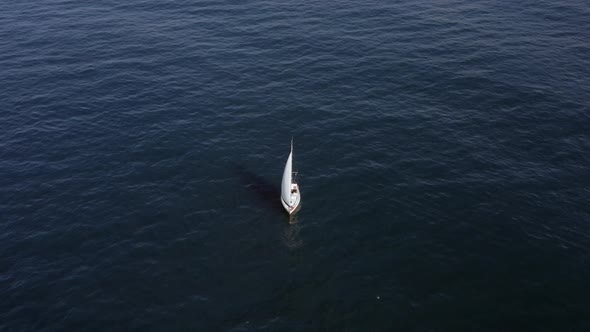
<point x="443" y="150"/>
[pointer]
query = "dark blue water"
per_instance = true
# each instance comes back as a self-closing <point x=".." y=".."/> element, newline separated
<point x="442" y="149"/>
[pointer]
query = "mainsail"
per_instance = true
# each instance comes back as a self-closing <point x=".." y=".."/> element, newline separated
<point x="287" y="174"/>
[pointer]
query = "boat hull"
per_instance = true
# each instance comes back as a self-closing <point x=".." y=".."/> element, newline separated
<point x="295" y="207"/>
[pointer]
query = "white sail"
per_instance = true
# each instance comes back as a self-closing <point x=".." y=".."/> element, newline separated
<point x="286" y="184"/>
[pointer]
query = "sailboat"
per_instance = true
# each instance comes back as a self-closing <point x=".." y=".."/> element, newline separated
<point x="290" y="194"/>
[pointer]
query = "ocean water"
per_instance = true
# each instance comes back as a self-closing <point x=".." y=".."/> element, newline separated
<point x="442" y="150"/>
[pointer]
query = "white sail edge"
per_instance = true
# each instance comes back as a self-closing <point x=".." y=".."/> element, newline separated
<point x="287" y="179"/>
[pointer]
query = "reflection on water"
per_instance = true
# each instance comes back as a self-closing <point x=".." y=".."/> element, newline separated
<point x="291" y="236"/>
<point x="293" y="219"/>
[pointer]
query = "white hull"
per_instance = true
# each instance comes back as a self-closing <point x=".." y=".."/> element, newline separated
<point x="295" y="207"/>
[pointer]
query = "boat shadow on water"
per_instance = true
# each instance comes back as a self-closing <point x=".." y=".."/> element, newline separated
<point x="265" y="191"/>
<point x="269" y="194"/>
